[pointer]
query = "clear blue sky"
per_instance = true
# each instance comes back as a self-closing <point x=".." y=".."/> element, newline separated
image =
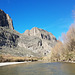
<point x="55" y="16"/>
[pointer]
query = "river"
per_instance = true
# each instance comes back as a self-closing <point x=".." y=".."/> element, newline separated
<point x="39" y="68"/>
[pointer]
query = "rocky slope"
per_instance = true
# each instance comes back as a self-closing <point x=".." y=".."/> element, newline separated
<point x="38" y="41"/>
<point x="34" y="42"/>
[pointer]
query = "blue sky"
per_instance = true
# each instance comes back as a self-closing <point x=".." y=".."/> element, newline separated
<point x="55" y="16"/>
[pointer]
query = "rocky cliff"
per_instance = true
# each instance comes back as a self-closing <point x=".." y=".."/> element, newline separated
<point x="5" y="20"/>
<point x="34" y="42"/>
<point x="8" y="36"/>
<point x="38" y="41"/>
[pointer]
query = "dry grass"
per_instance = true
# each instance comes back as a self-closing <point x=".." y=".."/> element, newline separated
<point x="9" y="58"/>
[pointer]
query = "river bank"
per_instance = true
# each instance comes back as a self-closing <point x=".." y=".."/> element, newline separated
<point x="9" y="58"/>
<point x="11" y="63"/>
<point x="25" y="62"/>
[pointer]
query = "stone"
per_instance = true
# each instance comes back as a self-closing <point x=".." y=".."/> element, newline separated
<point x="38" y="41"/>
<point x="8" y="37"/>
<point x="5" y="20"/>
<point x="43" y="34"/>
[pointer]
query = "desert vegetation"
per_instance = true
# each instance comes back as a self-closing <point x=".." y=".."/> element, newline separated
<point x="64" y="50"/>
<point x="9" y="58"/>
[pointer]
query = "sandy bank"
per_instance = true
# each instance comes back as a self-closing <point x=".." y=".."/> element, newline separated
<point x="10" y="63"/>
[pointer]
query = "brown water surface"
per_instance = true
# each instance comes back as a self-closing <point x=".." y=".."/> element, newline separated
<point x="39" y="68"/>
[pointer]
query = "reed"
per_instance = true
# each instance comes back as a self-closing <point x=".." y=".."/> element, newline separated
<point x="9" y="58"/>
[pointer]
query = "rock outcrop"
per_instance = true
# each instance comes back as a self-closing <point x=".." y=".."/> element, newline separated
<point x="38" y="41"/>
<point x="8" y="37"/>
<point x="5" y="20"/>
<point x="35" y="42"/>
<point x="43" y="34"/>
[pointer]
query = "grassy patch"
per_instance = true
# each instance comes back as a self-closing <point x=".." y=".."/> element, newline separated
<point x="9" y="58"/>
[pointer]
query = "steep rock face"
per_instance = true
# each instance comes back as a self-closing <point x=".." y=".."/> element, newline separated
<point x="5" y="20"/>
<point x="8" y="37"/>
<point x="38" y="41"/>
<point x="43" y="34"/>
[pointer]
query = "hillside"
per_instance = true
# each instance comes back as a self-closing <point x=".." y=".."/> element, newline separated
<point x="32" y="43"/>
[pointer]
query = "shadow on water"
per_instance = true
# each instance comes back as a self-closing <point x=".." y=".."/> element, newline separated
<point x="39" y="68"/>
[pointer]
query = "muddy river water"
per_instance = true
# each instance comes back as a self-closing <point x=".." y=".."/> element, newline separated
<point x="39" y="68"/>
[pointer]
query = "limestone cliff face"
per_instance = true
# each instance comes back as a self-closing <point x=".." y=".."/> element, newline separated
<point x="43" y="34"/>
<point x="5" y="20"/>
<point x="8" y="37"/>
<point x="35" y="42"/>
<point x="38" y="41"/>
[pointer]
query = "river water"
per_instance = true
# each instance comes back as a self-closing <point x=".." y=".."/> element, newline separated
<point x="39" y="68"/>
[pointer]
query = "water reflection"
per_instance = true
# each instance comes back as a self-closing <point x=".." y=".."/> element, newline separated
<point x="39" y="69"/>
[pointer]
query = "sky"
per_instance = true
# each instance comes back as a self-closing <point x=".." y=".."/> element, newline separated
<point x="55" y="16"/>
